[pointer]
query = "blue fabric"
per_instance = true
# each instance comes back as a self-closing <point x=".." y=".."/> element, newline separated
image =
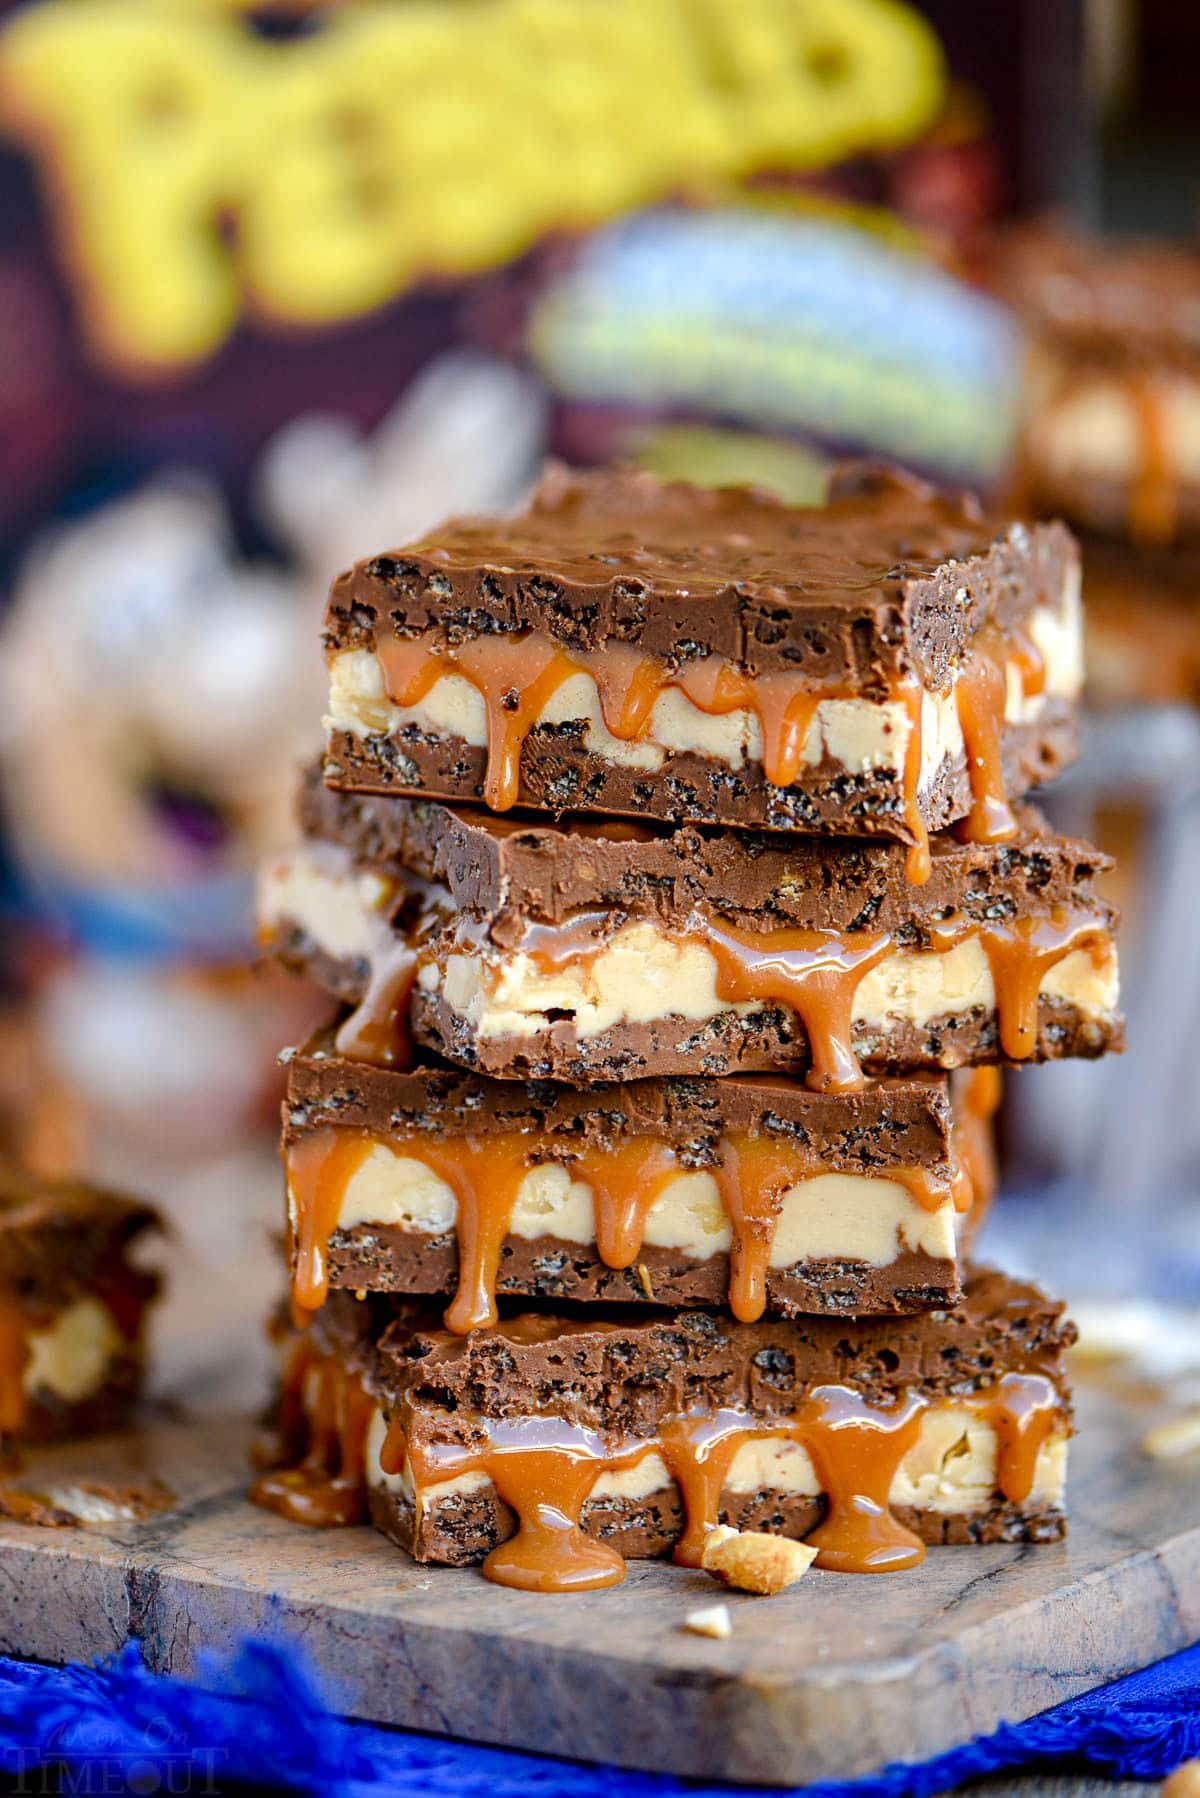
<point x="260" y="1721"/>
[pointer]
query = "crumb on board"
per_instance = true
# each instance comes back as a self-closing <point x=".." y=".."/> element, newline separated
<point x="88" y="1502"/>
<point x="711" y="1620"/>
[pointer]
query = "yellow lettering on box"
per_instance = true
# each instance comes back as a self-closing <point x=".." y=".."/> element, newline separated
<point x="197" y="170"/>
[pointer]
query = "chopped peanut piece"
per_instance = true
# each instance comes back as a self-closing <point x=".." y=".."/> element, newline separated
<point x="1179" y="1437"/>
<point x="752" y="1561"/>
<point x="713" y="1620"/>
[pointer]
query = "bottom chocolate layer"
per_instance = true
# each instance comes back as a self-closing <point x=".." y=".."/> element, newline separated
<point x="550" y="1445"/>
<point x="386" y="1258"/>
<point x="463" y="1532"/>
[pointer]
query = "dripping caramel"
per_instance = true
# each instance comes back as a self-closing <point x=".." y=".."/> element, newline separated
<point x="1154" y="493"/>
<point x="16" y="1326"/>
<point x="325" y="1414"/>
<point x="752" y="1174"/>
<point x="975" y="1094"/>
<point x="813" y="973"/>
<point x="980" y="697"/>
<point x="544" y="1470"/>
<point x="516" y="676"/>
<point x="816" y="973"/>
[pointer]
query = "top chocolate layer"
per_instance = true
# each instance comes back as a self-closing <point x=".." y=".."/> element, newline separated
<point x="58" y="1237"/>
<point x="888" y="579"/>
<point x="627" y="1370"/>
<point x="1124" y="300"/>
<point x="511" y="869"/>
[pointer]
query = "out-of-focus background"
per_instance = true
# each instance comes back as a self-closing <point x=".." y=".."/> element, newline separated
<point x="282" y="285"/>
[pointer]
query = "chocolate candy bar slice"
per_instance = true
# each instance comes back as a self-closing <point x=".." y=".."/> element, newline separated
<point x="72" y="1307"/>
<point x="551" y="1446"/>
<point x="1112" y="388"/>
<point x="880" y="666"/>
<point x="613" y="951"/>
<point x="749" y="1191"/>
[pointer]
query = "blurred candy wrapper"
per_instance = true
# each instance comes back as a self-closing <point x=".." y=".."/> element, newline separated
<point x="154" y="687"/>
<point x="841" y="330"/>
<point x="160" y="691"/>
<point x="467" y="436"/>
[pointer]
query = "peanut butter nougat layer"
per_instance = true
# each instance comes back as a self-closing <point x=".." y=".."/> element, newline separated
<point x="551" y="1445"/>
<point x="601" y="951"/>
<point x="751" y="1190"/>
<point x="72" y="1306"/>
<point x="882" y="665"/>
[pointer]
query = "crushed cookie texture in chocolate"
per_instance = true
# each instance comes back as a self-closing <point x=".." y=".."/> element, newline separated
<point x="898" y="1121"/>
<point x="626" y="1371"/>
<point x="563" y="776"/>
<point x="537" y="1408"/>
<point x="510" y="868"/>
<point x="757" y="1138"/>
<point x="725" y="601"/>
<point x="389" y="1259"/>
<point x="772" y="915"/>
<point x="629" y="857"/>
<point x="890" y="577"/>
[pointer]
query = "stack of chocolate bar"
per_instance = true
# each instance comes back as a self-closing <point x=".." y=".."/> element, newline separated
<point x="631" y="1188"/>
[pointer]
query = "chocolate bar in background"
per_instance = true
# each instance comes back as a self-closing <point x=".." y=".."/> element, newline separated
<point x="1111" y="437"/>
<point x="553" y="1444"/>
<point x="883" y="665"/>
<point x="600" y="951"/>
<point x="1142" y="626"/>
<point x="72" y="1307"/>
<point x="748" y="1191"/>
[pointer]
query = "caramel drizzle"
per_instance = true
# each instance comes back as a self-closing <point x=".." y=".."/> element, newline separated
<point x="975" y="1094"/>
<point x="980" y="696"/>
<point x="752" y="1174"/>
<point x="546" y="1482"/>
<point x="544" y="1470"/>
<point x="377" y="1029"/>
<point x="1020" y="953"/>
<point x="15" y="1328"/>
<point x="327" y="1410"/>
<point x="1023" y="1417"/>
<point x="319" y="1169"/>
<point x="855" y="1449"/>
<point x="516" y="677"/>
<point x="1154" y="494"/>
<point x="816" y="973"/>
<point x="918" y="863"/>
